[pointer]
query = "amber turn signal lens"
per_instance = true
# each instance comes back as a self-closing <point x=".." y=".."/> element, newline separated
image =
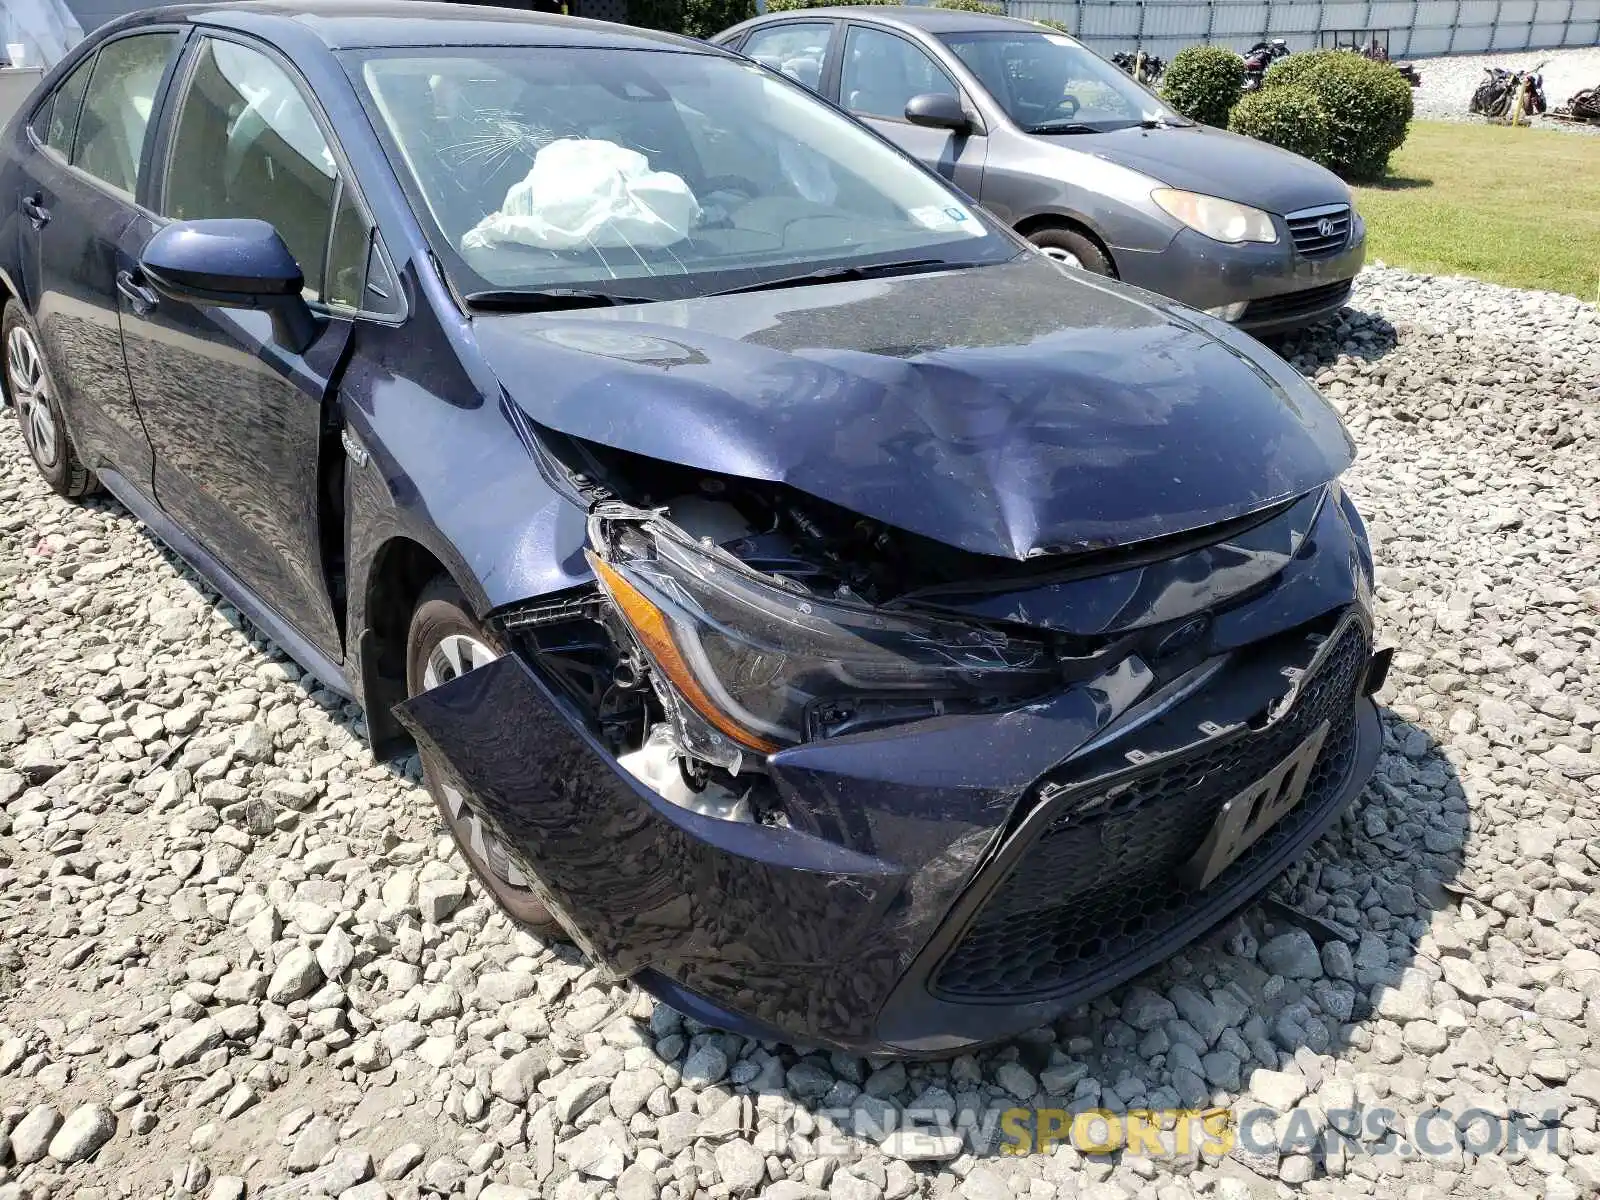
<point x="653" y="630"/>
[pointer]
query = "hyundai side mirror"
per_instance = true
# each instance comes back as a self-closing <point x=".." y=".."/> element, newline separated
<point x="938" y="110"/>
<point x="232" y="263"/>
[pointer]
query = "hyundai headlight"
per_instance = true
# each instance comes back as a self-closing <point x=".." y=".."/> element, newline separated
<point x="766" y="667"/>
<point x="1219" y="219"/>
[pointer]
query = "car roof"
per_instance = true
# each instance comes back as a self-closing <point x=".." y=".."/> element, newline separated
<point x="363" y="24"/>
<point x="923" y="17"/>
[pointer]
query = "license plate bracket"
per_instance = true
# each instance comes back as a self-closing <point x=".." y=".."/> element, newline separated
<point x="1248" y="815"/>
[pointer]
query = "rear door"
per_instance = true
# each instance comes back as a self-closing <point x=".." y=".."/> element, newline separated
<point x="240" y="425"/>
<point x="88" y="154"/>
<point x="879" y="72"/>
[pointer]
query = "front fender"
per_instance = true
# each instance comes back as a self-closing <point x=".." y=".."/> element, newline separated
<point x="437" y="456"/>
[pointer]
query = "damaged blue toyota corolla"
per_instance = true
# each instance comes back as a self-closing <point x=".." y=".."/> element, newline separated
<point x="842" y="619"/>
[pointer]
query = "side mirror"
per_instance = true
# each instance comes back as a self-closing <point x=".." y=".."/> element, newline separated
<point x="232" y="263"/>
<point x="938" y="110"/>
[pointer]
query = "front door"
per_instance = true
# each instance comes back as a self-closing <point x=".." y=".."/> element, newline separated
<point x="881" y="71"/>
<point x="77" y="200"/>
<point x="238" y="423"/>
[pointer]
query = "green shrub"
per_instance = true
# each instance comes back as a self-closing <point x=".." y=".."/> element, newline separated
<point x="1203" y="83"/>
<point x="696" y="18"/>
<point x="1288" y="116"/>
<point x="1059" y="26"/>
<point x="977" y="6"/>
<point x="790" y="5"/>
<point x="707" y="18"/>
<point x="1368" y="105"/>
<point x="1292" y="70"/>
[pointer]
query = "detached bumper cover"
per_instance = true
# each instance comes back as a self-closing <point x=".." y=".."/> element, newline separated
<point x="931" y="892"/>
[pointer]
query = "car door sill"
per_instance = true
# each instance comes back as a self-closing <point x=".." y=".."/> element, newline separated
<point x="202" y="560"/>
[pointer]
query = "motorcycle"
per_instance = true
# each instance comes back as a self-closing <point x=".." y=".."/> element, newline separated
<point x="1261" y="56"/>
<point x="1378" y="52"/>
<point x="1145" y="68"/>
<point x="1509" y="95"/>
<point x="1584" y="106"/>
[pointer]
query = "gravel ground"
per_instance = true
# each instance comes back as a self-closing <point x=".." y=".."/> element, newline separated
<point x="1448" y="83"/>
<point x="240" y="957"/>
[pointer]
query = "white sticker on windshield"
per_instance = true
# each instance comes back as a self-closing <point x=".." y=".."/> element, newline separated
<point x="946" y="219"/>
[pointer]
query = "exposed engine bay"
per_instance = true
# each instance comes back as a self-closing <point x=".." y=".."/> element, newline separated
<point x="734" y="618"/>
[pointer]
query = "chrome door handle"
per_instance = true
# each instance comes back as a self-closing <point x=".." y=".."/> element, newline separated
<point x="140" y="298"/>
<point x="36" y="212"/>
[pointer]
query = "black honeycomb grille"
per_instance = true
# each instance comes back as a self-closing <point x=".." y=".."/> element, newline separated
<point x="1093" y="887"/>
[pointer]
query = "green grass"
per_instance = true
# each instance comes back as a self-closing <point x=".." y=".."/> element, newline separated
<point x="1508" y="205"/>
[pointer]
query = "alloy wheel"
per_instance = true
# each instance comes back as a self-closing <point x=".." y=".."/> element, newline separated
<point x="1062" y="256"/>
<point x="454" y="656"/>
<point x="30" y="391"/>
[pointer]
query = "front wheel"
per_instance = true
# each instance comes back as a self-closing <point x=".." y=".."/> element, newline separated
<point x="1072" y="248"/>
<point x="32" y="391"/>
<point x="444" y="643"/>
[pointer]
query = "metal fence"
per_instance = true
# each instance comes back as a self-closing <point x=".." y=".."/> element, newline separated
<point x="1413" y="27"/>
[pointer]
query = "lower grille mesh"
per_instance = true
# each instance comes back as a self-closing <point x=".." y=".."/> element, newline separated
<point x="1091" y="888"/>
<point x="1293" y="304"/>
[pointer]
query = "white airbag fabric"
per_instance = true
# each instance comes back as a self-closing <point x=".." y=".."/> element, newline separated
<point x="585" y="192"/>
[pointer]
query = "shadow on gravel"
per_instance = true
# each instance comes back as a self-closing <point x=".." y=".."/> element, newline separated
<point x="1351" y="331"/>
<point x="1295" y="976"/>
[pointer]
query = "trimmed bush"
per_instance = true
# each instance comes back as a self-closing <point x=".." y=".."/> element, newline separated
<point x="1289" y="117"/>
<point x="790" y="5"/>
<point x="695" y="18"/>
<point x="977" y="6"/>
<point x="1292" y="70"/>
<point x="1368" y="105"/>
<point x="656" y="14"/>
<point x="1058" y="26"/>
<point x="707" y="18"/>
<point x="1203" y="83"/>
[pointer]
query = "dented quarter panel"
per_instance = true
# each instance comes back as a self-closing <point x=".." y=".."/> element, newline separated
<point x="1010" y="410"/>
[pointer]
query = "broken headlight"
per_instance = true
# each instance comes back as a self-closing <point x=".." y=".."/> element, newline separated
<point x="765" y="667"/>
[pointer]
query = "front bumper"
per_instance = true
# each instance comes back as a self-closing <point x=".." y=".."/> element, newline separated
<point x="901" y="911"/>
<point x="1284" y="290"/>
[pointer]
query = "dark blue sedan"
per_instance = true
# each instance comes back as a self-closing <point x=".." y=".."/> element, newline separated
<point x="827" y="610"/>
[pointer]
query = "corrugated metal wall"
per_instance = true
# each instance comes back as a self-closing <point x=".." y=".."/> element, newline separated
<point x="1416" y="27"/>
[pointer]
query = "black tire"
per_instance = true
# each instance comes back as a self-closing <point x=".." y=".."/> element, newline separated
<point x="1069" y="241"/>
<point x="53" y="453"/>
<point x="442" y="613"/>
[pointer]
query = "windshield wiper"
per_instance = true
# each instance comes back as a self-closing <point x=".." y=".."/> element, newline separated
<point x="835" y="274"/>
<point x="1061" y="127"/>
<point x="548" y="299"/>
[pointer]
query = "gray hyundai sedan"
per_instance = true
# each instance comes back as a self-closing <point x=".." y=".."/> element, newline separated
<point x="1093" y="168"/>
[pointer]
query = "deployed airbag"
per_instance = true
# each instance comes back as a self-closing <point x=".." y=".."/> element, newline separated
<point x="583" y="192"/>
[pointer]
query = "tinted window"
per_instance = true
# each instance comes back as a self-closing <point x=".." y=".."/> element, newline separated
<point x="64" y="109"/>
<point x="882" y="72"/>
<point x="116" y="108"/>
<point x="1046" y="80"/>
<point x="795" y="50"/>
<point x="247" y="145"/>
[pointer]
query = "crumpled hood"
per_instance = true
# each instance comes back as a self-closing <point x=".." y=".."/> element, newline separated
<point x="1013" y="410"/>
<point x="1218" y="163"/>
